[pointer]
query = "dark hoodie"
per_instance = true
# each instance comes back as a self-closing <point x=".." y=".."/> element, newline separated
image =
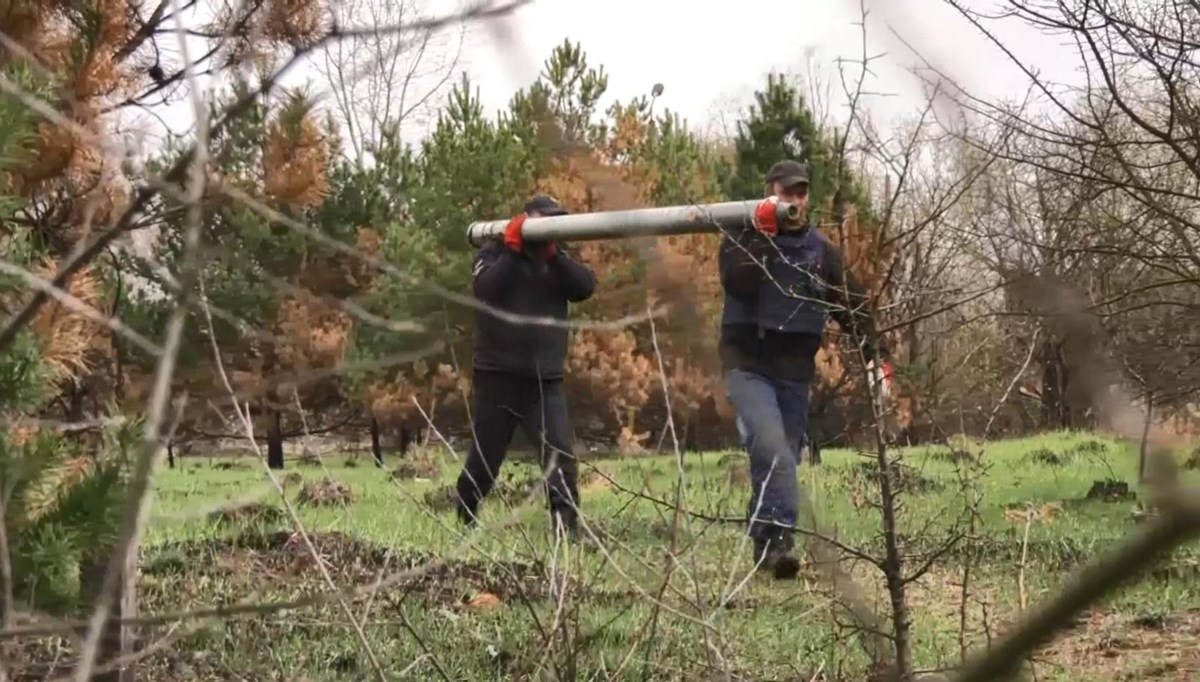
<point x="519" y="284"/>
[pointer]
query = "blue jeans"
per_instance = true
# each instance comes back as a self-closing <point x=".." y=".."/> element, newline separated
<point x="772" y="416"/>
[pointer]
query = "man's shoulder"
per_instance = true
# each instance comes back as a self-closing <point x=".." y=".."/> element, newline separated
<point x="491" y="247"/>
<point x="818" y="235"/>
<point x="816" y="239"/>
<point x="490" y="251"/>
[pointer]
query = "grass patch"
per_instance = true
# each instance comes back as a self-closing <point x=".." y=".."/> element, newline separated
<point x="484" y="604"/>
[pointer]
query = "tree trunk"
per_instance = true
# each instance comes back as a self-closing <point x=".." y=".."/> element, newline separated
<point x="376" y="449"/>
<point x="170" y="455"/>
<point x="275" y="441"/>
<point x="691" y="436"/>
<point x="1056" y="407"/>
<point x="893" y="562"/>
<point x="117" y="642"/>
<point x="75" y="405"/>
<point x="406" y="440"/>
<point x="1145" y="438"/>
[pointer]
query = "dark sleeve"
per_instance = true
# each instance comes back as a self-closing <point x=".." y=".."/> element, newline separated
<point x="850" y="305"/>
<point x="742" y="263"/>
<point x="492" y="271"/>
<point x="576" y="279"/>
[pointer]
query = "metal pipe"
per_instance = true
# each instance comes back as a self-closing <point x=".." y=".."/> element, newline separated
<point x="642" y="222"/>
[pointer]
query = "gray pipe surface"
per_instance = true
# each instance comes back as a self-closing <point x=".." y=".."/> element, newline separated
<point x="642" y="222"/>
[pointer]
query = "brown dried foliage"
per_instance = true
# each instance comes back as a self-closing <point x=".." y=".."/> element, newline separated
<point x="612" y="372"/>
<point x="394" y="401"/>
<point x="71" y="162"/>
<point x="341" y="276"/>
<point x="22" y="19"/>
<point x="311" y="333"/>
<point x="71" y="343"/>
<point x="295" y="159"/>
<point x="620" y="371"/>
<point x="256" y="29"/>
<point x="326" y="492"/>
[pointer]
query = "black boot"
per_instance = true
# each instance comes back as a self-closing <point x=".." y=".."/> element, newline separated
<point x="465" y="511"/>
<point x="773" y="552"/>
<point x="565" y="524"/>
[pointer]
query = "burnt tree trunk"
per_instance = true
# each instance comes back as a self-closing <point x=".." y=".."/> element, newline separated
<point x="275" y="441"/>
<point x="406" y="440"/>
<point x="376" y="449"/>
<point x="170" y="455"/>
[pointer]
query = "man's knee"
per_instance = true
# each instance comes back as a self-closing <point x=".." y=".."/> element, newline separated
<point x="766" y="438"/>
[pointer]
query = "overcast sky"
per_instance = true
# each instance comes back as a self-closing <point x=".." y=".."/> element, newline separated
<point x="711" y="54"/>
<point x="706" y="52"/>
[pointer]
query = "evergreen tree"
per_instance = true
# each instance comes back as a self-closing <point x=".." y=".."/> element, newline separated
<point x="60" y="498"/>
<point x="780" y="125"/>
<point x="275" y="291"/>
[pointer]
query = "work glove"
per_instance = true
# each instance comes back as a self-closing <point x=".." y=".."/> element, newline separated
<point x="514" y="240"/>
<point x="765" y="218"/>
<point x="880" y="376"/>
<point x="512" y="234"/>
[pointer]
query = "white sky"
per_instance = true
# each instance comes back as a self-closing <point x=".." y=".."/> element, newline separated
<point x="711" y="54"/>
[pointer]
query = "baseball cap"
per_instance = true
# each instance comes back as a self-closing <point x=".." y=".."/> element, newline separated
<point x="545" y="205"/>
<point x="788" y="173"/>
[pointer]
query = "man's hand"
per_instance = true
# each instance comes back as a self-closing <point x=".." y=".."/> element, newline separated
<point x="512" y="233"/>
<point x="765" y="216"/>
<point x="880" y="376"/>
<point x="516" y="243"/>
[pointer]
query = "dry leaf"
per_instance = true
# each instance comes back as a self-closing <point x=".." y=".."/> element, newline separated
<point x="483" y="600"/>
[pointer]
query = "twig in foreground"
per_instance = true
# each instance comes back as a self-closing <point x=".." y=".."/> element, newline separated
<point x="1161" y="536"/>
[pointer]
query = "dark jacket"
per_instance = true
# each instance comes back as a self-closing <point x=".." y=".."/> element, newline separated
<point x="778" y="293"/>
<point x="517" y="284"/>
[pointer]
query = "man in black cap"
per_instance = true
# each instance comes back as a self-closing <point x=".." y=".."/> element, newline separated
<point x="780" y="284"/>
<point x="517" y="365"/>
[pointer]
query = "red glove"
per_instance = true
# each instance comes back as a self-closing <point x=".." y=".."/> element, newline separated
<point x="765" y="216"/>
<point x="881" y="376"/>
<point x="512" y="233"/>
<point x="547" y="252"/>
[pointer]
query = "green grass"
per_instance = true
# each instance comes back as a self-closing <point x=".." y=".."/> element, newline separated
<point x="762" y="629"/>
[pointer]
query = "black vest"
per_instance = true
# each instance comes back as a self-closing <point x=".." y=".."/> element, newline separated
<point x="792" y="297"/>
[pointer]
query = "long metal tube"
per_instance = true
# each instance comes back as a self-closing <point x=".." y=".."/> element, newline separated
<point x="642" y="222"/>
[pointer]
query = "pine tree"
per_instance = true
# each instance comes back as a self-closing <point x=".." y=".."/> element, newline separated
<point x="276" y="290"/>
<point x="61" y="497"/>
<point x="780" y="125"/>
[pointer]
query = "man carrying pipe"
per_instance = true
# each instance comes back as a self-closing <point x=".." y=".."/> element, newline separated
<point x="517" y="366"/>
<point x="780" y="282"/>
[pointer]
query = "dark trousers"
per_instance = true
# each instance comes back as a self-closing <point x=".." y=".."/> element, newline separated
<point x="771" y="420"/>
<point x="499" y="402"/>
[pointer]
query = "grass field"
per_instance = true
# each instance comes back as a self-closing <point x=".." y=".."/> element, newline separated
<point x="509" y="604"/>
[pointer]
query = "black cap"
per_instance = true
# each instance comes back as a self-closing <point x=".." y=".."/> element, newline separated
<point x="545" y="205"/>
<point x="788" y="173"/>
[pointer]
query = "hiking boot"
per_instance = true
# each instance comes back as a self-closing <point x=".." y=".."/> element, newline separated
<point x="773" y="552"/>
